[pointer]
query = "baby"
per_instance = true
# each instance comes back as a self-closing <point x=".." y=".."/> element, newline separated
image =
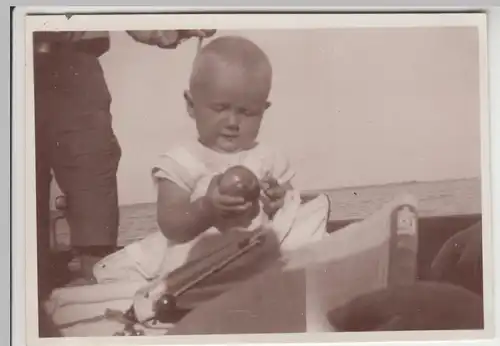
<point x="227" y="98"/>
<point x="197" y="211"/>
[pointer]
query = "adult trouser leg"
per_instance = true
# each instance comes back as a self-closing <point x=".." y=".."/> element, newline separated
<point x="84" y="151"/>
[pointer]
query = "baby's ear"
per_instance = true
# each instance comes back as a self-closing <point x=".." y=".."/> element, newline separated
<point x="189" y="102"/>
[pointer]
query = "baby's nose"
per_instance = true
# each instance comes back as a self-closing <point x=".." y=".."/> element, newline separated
<point x="233" y="121"/>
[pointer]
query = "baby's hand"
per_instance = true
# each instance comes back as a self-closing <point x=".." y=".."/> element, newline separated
<point x="274" y="195"/>
<point x="223" y="205"/>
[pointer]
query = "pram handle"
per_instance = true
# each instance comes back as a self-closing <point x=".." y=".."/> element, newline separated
<point x="165" y="308"/>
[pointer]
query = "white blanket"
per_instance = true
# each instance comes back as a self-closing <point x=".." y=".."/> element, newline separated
<point x="79" y="311"/>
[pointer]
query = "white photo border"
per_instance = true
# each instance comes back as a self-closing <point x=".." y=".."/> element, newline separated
<point x="24" y="216"/>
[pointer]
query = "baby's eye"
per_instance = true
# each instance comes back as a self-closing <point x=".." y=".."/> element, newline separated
<point x="247" y="113"/>
<point x="219" y="107"/>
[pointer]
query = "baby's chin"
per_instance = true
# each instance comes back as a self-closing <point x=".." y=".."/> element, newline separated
<point x="230" y="147"/>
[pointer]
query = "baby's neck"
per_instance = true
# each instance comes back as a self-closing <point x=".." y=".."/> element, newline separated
<point x="239" y="150"/>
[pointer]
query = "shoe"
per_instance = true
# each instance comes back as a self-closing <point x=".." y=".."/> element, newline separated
<point x="83" y="264"/>
<point x="82" y="267"/>
<point x="53" y="273"/>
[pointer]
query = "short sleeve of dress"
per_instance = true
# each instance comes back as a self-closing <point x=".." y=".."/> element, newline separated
<point x="176" y="166"/>
<point x="282" y="169"/>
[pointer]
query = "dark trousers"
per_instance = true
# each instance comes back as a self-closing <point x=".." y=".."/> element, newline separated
<point x="75" y="141"/>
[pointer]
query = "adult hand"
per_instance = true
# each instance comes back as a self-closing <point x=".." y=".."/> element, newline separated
<point x="460" y="259"/>
<point x="418" y="306"/>
<point x="204" y="33"/>
<point x="167" y="38"/>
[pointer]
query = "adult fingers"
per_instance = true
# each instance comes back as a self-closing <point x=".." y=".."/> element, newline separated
<point x="166" y="38"/>
<point x="198" y="33"/>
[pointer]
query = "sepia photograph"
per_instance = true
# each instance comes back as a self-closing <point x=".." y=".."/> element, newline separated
<point x="319" y="176"/>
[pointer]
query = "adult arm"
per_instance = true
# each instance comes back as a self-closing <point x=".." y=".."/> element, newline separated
<point x="167" y="39"/>
<point x="97" y="42"/>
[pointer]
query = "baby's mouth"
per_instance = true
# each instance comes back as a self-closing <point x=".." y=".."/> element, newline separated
<point x="230" y="137"/>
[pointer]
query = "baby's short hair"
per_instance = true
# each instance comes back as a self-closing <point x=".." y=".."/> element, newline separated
<point x="232" y="51"/>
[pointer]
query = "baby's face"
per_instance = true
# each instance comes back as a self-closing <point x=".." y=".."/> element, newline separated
<point x="228" y="109"/>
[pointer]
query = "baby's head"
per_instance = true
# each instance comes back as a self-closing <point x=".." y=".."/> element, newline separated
<point x="228" y="93"/>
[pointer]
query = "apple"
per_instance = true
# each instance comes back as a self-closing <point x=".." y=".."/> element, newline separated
<point x="239" y="181"/>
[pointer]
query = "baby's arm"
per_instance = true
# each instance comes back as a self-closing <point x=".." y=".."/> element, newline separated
<point x="179" y="219"/>
<point x="182" y="220"/>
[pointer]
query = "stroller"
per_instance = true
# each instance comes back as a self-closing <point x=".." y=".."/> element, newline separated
<point x="291" y="293"/>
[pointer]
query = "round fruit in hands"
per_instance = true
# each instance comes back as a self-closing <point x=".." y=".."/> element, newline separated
<point x="239" y="181"/>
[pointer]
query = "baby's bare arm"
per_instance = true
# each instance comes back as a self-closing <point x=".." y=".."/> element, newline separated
<point x="179" y="219"/>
